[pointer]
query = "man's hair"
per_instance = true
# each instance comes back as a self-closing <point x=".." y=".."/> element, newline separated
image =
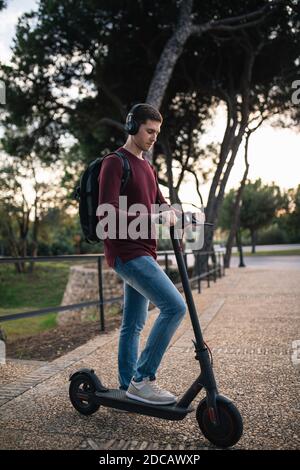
<point x="145" y="111"/>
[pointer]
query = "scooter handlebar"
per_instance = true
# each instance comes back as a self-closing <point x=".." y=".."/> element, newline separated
<point x="187" y="218"/>
<point x="191" y="218"/>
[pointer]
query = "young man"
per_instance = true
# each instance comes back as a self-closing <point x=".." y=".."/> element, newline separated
<point x="135" y="261"/>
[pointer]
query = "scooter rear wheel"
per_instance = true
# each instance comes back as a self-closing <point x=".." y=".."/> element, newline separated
<point x="81" y="393"/>
<point x="230" y="427"/>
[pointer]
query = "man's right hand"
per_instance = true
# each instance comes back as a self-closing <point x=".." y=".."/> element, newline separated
<point x="167" y="218"/>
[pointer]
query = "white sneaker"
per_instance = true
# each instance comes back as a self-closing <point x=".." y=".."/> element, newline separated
<point x="148" y="392"/>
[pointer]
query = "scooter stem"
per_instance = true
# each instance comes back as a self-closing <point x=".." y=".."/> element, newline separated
<point x="200" y="346"/>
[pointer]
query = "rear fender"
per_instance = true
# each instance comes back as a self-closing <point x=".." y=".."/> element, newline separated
<point x="90" y="373"/>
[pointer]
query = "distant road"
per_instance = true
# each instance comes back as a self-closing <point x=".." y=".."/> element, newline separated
<point x="274" y="262"/>
<point x="247" y="249"/>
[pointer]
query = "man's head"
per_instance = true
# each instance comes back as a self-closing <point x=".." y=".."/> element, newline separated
<point x="143" y="124"/>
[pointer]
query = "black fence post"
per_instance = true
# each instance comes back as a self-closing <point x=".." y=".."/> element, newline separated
<point x="219" y="265"/>
<point x="100" y="285"/>
<point x="215" y="267"/>
<point x="198" y="264"/>
<point x="207" y="271"/>
<point x="166" y="264"/>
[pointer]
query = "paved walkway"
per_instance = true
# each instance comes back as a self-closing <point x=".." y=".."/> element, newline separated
<point x="251" y="321"/>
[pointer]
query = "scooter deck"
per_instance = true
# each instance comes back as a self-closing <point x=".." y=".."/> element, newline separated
<point x="115" y="398"/>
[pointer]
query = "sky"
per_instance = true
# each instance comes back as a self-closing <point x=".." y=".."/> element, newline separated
<point x="8" y="20"/>
<point x="274" y="155"/>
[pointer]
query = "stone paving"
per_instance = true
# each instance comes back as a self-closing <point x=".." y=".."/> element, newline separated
<point x="251" y="321"/>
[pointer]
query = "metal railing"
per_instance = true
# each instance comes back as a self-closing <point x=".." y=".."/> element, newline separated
<point x="217" y="269"/>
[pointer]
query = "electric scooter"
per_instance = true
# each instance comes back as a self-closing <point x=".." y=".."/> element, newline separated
<point x="217" y="416"/>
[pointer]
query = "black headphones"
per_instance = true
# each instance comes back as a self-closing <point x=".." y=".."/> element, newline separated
<point x="131" y="125"/>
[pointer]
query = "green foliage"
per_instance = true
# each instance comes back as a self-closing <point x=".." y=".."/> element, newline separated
<point x="275" y="214"/>
<point x="60" y="234"/>
<point x="23" y="292"/>
<point x="290" y="222"/>
<point x="272" y="235"/>
<point x="107" y="53"/>
<point x="260" y="202"/>
<point x="226" y="212"/>
<point x="77" y="43"/>
<point x="42" y="288"/>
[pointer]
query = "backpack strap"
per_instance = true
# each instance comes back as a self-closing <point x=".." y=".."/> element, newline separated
<point x="126" y="168"/>
<point x="151" y="166"/>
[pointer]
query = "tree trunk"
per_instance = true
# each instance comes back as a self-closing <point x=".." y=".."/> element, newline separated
<point x="36" y="225"/>
<point x="231" y="142"/>
<point x="237" y="209"/>
<point x="12" y="243"/>
<point x="170" y="55"/>
<point x="168" y="154"/>
<point x="240" y="248"/>
<point x="234" y="224"/>
<point x="184" y="29"/>
<point x="253" y="233"/>
<point x="244" y="121"/>
<point x="34" y="251"/>
<point x="174" y="46"/>
<point x="224" y="152"/>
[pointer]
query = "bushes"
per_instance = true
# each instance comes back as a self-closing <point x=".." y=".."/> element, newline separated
<point x="272" y="235"/>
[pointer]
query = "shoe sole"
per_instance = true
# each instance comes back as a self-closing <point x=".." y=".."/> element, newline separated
<point x="144" y="400"/>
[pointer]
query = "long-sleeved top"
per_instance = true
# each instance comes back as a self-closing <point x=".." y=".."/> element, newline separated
<point x="141" y="188"/>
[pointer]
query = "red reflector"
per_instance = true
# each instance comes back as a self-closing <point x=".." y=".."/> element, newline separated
<point x="212" y="415"/>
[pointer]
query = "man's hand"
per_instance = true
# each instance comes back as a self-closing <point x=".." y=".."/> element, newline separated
<point x="167" y="218"/>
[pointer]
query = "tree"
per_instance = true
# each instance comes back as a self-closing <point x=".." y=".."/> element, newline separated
<point x="81" y="44"/>
<point x="236" y="210"/>
<point x="15" y="211"/>
<point x="235" y="221"/>
<point x="289" y="222"/>
<point x="263" y="91"/>
<point x="70" y="44"/>
<point x="229" y="73"/>
<point x="185" y="28"/>
<point x="260" y="204"/>
<point x="180" y="148"/>
<point x="21" y="214"/>
<point x="60" y="233"/>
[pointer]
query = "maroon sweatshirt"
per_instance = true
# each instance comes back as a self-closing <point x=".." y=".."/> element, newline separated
<point x="141" y="188"/>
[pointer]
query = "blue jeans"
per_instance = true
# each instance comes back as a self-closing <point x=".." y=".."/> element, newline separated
<point x="145" y="280"/>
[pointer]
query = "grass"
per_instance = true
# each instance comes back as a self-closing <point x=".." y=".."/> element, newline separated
<point x="295" y="252"/>
<point x="30" y="291"/>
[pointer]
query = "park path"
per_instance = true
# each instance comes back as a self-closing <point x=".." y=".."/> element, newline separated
<point x="251" y="321"/>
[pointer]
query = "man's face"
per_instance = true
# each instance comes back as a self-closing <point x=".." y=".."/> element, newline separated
<point x="147" y="135"/>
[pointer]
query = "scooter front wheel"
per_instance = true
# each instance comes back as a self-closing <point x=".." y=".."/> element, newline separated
<point x="230" y="427"/>
<point x="81" y="392"/>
